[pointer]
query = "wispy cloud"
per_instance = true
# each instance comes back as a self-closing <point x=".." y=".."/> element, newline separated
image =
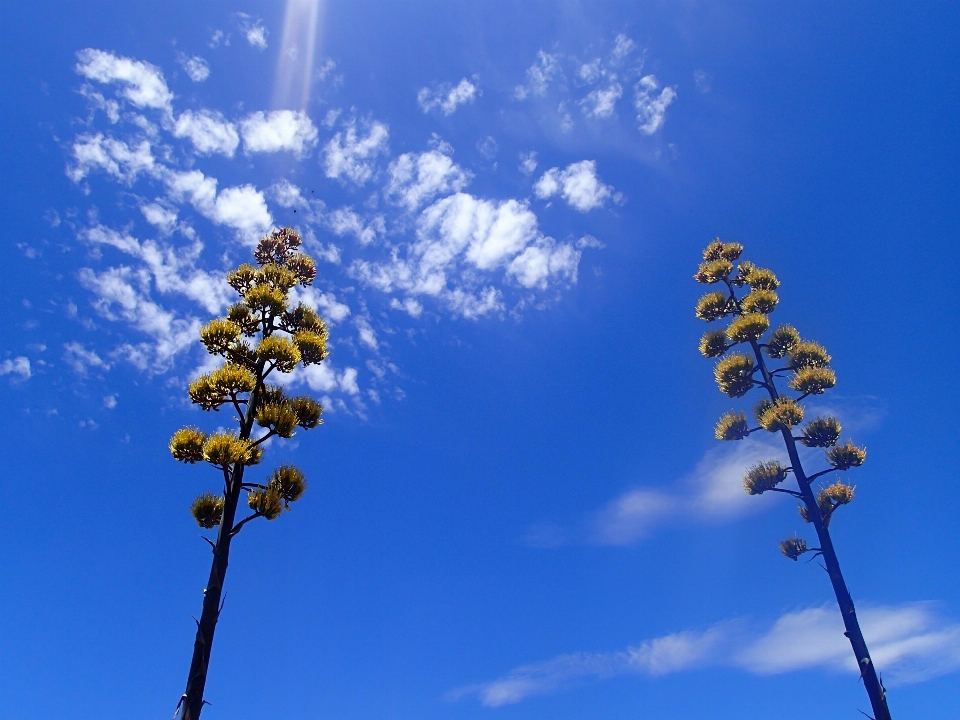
<point x="712" y="492"/>
<point x="652" y="106"/>
<point x="253" y="30"/>
<point x="597" y="86"/>
<point x="909" y="642"/>
<point x="447" y="98"/>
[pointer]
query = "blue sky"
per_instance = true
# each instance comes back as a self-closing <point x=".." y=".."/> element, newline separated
<point x="516" y="506"/>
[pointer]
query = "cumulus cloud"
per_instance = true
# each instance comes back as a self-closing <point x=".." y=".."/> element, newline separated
<point x="290" y="130"/>
<point x="242" y="208"/>
<point x="461" y="235"/>
<point x="209" y="132"/>
<point x="578" y="184"/>
<point x="447" y="98"/>
<point x="253" y="30"/>
<point x="195" y="67"/>
<point x="330" y="309"/>
<point x="652" y="107"/>
<point x="910" y="642"/>
<point x="325" y="378"/>
<point x="19" y="366"/>
<point x="351" y="154"/>
<point x="539" y="76"/>
<point x="414" y="178"/>
<point x="487" y="233"/>
<point x="601" y="102"/>
<point x="141" y="83"/>
<point x="544" y="261"/>
<point x="123" y="161"/>
<point x="344" y="221"/>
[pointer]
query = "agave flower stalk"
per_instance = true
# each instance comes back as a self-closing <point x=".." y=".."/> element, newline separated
<point x="260" y="335"/>
<point x="748" y="297"/>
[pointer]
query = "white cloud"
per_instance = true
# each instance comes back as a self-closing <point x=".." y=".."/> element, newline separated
<point x="488" y="147"/>
<point x="544" y="260"/>
<point x="487" y="232"/>
<point x="110" y="402"/>
<point x="209" y="132"/>
<point x="409" y="305"/>
<point x="111" y="108"/>
<point x="253" y="29"/>
<point x="242" y="208"/>
<point x="162" y="218"/>
<point x="366" y="334"/>
<point x="325" y="378"/>
<point x="17" y="366"/>
<point x="651" y="107"/>
<point x="590" y="72"/>
<point x="172" y="270"/>
<point x="908" y="642"/>
<point x="633" y="515"/>
<point x="701" y="79"/>
<point x="712" y="491"/>
<point x="114" y="157"/>
<point x="539" y="76"/>
<point x="447" y="98"/>
<point x="81" y="359"/>
<point x="471" y="306"/>
<point x="658" y="656"/>
<point x="118" y="298"/>
<point x="287" y="194"/>
<point x="350" y="154"/>
<point x="589" y="241"/>
<point x="461" y="235"/>
<point x="278" y="130"/>
<point x="528" y="162"/>
<point x="622" y="46"/>
<point x="344" y="221"/>
<point x="326" y="304"/>
<point x="600" y="103"/>
<point x="578" y="184"/>
<point x="195" y="67"/>
<point x="417" y="178"/>
<point x="142" y="83"/>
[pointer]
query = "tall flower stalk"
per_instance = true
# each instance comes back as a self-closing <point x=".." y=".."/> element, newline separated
<point x="747" y="298"/>
<point x="260" y="335"/>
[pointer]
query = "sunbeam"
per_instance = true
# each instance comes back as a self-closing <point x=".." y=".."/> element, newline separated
<point x="295" y="65"/>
